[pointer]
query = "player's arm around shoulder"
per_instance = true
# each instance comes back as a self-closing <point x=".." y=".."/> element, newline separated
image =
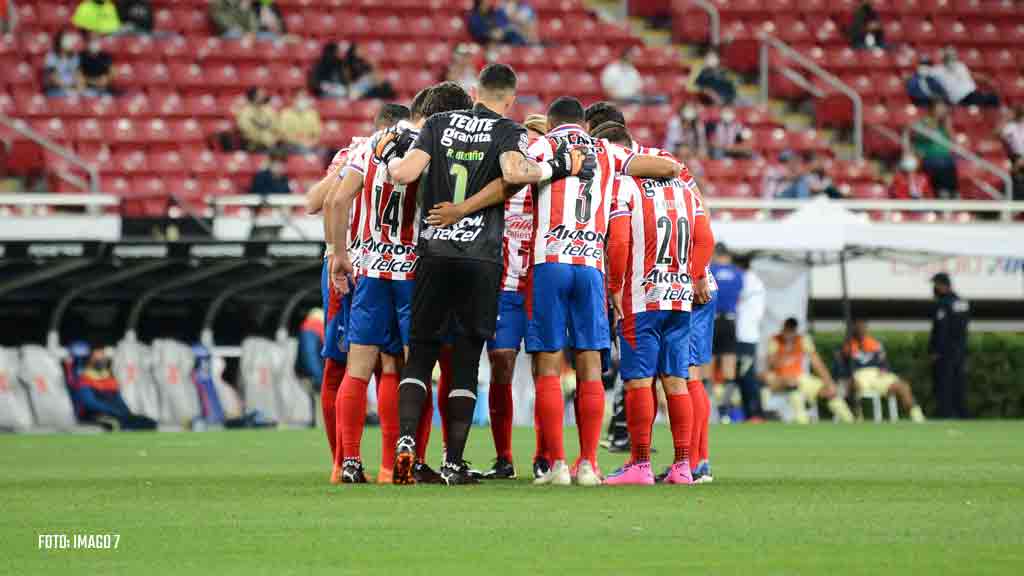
<point x="651" y="166"/>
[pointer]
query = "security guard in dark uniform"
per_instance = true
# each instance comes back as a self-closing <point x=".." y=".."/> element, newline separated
<point x="947" y="347"/>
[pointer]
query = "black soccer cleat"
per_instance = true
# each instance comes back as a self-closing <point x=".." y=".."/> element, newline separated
<point x="457" y="473"/>
<point x="405" y="461"/>
<point x="424" y="474"/>
<point x="502" y="470"/>
<point x="352" y="472"/>
<point x="540" y="467"/>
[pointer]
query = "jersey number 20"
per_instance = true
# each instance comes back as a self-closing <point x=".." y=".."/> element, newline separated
<point x="665" y="239"/>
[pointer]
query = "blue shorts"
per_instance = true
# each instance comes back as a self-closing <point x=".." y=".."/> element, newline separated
<point x="511" y="327"/>
<point x="655" y="343"/>
<point x="336" y="314"/>
<point x="567" y="308"/>
<point x="702" y="332"/>
<point x="380" y="313"/>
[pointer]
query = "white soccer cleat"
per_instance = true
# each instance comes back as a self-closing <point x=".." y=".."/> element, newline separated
<point x="557" y="475"/>
<point x="587" y="476"/>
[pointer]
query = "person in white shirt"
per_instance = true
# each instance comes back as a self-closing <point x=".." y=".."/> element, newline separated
<point x="621" y="80"/>
<point x="750" y="311"/>
<point x="958" y="82"/>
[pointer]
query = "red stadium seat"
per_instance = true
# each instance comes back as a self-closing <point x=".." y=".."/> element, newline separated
<point x="203" y="163"/>
<point x="89" y="130"/>
<point x="133" y="162"/>
<point x="167" y="104"/>
<point x="169" y="162"/>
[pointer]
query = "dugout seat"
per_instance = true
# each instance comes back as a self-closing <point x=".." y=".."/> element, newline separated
<point x="15" y="412"/>
<point x="172" y="371"/>
<point x="132" y="365"/>
<point x="41" y="374"/>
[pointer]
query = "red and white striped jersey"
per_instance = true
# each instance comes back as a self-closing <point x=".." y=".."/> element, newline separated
<point x="388" y="221"/>
<point x="662" y="214"/>
<point x="518" y="235"/>
<point x="570" y="219"/>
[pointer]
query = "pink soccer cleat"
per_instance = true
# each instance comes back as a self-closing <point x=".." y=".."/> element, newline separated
<point x="679" y="473"/>
<point x="632" y="473"/>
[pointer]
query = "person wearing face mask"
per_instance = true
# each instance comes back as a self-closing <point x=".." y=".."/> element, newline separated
<point x="97" y="16"/>
<point x="63" y="74"/>
<point x="947" y="348"/>
<point x="234" y="18"/>
<point x="258" y="121"/>
<point x="728" y="137"/>
<point x="788" y="354"/>
<point x="909" y="183"/>
<point x="866" y="30"/>
<point x="960" y="85"/>
<point x="712" y="81"/>
<point x="97" y="396"/>
<point x="923" y="87"/>
<point x="687" y="128"/>
<point x="1011" y="133"/>
<point x="937" y="159"/>
<point x="96" y="65"/>
<point x="136" y="16"/>
<point x="300" y="125"/>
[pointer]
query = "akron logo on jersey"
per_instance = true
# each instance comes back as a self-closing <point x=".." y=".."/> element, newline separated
<point x="660" y="285"/>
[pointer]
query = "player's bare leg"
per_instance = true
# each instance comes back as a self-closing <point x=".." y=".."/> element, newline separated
<point x="503" y="363"/>
<point x="901" y="389"/>
<point x="547" y="367"/>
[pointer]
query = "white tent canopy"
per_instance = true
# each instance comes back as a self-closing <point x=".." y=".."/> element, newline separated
<point x="825" y="226"/>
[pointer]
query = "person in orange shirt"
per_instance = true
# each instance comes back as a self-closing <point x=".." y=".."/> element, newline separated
<point x="788" y="356"/>
<point x="869" y="365"/>
<point x="97" y="396"/>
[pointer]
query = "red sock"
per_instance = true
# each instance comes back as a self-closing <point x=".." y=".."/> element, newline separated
<point x="444" y="384"/>
<point x="639" y="420"/>
<point x="423" y="430"/>
<point x="540" y="451"/>
<point x="590" y="396"/>
<point x="387" y="409"/>
<point x="334" y="371"/>
<point x="701" y="411"/>
<point x="576" y="413"/>
<point x="550" y="415"/>
<point x="351" y="414"/>
<point x="499" y="401"/>
<point x="680" y="417"/>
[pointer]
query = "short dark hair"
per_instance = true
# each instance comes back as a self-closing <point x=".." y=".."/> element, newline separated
<point x="790" y="324"/>
<point x="564" y="110"/>
<point x="600" y="112"/>
<point x="445" y="97"/>
<point x="416" y="107"/>
<point x="613" y="131"/>
<point x="389" y="115"/>
<point x="497" y="78"/>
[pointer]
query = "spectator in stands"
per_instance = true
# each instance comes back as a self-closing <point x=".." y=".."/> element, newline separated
<point x="864" y="359"/>
<point x="923" y="87"/>
<point x="464" y="67"/>
<point x="258" y="121"/>
<point x="62" y="67"/>
<point x="97" y="16"/>
<point x="360" y="79"/>
<point x="959" y="83"/>
<point x="788" y="354"/>
<point x="689" y="157"/>
<point x="98" y="397"/>
<point x="272" y="178"/>
<point x="728" y="137"/>
<point x="96" y="64"/>
<point x="300" y="125"/>
<point x="621" y="80"/>
<point x="819" y="183"/>
<point x="936" y="157"/>
<point x="523" y="18"/>
<point x="713" y="82"/>
<point x="1012" y="135"/>
<point x="234" y="18"/>
<point x="687" y="128"/>
<point x="136" y="16"/>
<point x="795" y="184"/>
<point x="271" y="22"/>
<point x="326" y="80"/>
<point x="488" y="23"/>
<point x="866" y="28"/>
<point x="909" y="183"/>
<point x="8" y="17"/>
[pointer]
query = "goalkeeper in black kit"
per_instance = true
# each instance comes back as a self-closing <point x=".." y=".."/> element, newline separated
<point x="459" y="270"/>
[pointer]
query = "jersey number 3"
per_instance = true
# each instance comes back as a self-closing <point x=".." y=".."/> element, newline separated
<point x="585" y="203"/>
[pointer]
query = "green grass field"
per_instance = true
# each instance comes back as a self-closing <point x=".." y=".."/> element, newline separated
<point x="865" y="499"/>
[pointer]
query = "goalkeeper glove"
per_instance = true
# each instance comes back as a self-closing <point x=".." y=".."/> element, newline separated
<point x="578" y="161"/>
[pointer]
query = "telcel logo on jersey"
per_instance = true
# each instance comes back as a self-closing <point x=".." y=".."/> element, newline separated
<point x="660" y="285"/>
<point x="389" y="257"/>
<point x="568" y="242"/>
<point x="465" y="230"/>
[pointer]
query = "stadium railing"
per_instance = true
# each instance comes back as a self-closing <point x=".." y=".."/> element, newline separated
<point x="92" y="171"/>
<point x="788" y="54"/>
<point x="714" y="20"/>
<point x="971" y="157"/>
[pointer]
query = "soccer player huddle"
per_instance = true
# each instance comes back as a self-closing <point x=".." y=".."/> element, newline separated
<point x="453" y="227"/>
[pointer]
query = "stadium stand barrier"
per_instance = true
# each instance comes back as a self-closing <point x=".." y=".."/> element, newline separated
<point x="974" y="159"/>
<point x="70" y="159"/>
<point x="767" y="64"/>
<point x="714" y="20"/>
